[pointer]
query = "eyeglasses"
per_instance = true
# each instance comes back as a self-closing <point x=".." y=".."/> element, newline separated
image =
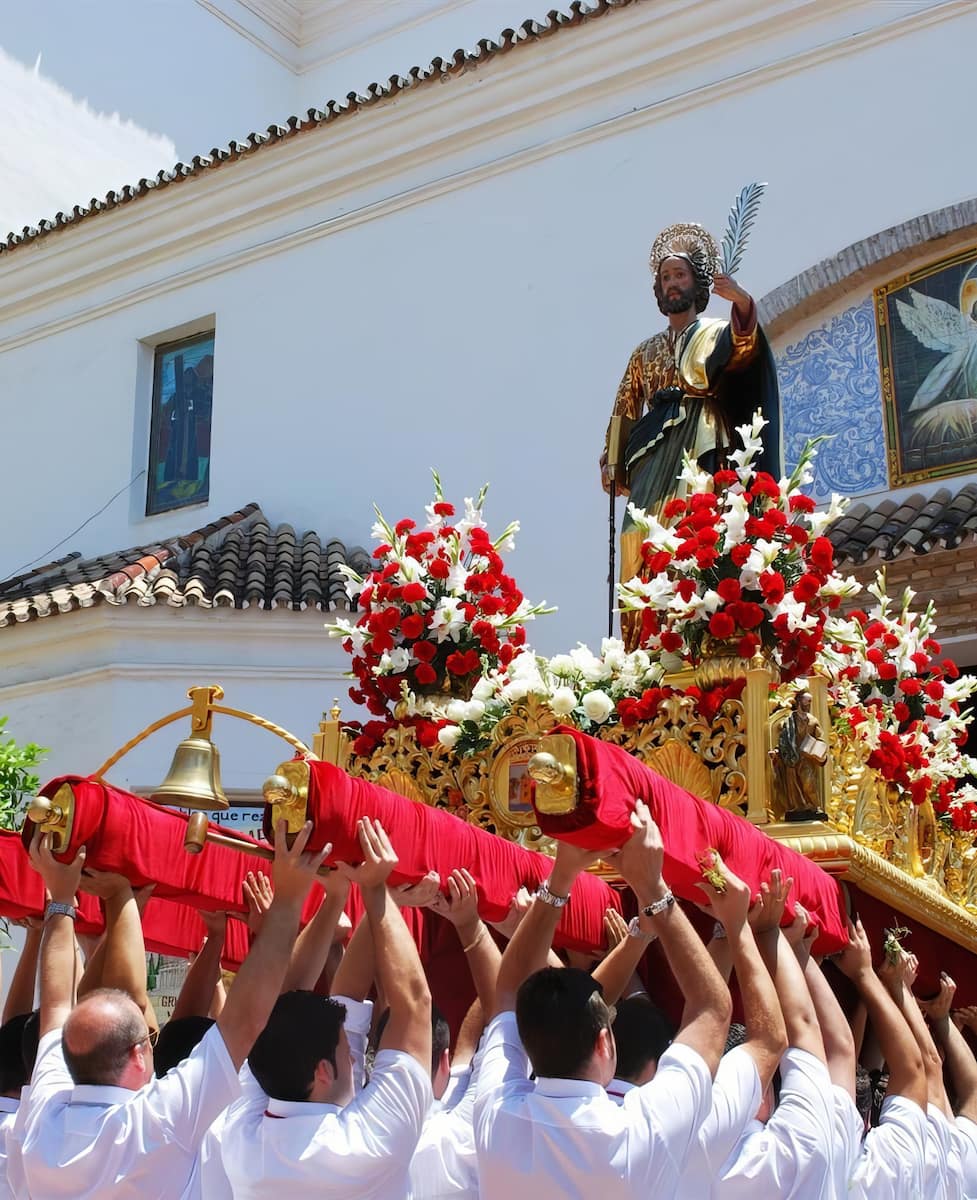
<point x="152" y="1037"/>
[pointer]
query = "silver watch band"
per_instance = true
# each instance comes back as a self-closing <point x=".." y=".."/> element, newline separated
<point x="543" y="893"/>
<point x="659" y="906"/>
<point x="635" y="931"/>
<point x="56" y="908"/>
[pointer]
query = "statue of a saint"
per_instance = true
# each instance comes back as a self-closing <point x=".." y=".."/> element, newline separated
<point x="801" y="752"/>
<point x="686" y="389"/>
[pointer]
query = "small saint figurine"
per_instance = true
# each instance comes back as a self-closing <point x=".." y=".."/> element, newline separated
<point x="797" y="761"/>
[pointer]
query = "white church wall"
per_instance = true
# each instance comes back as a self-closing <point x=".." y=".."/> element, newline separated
<point x="473" y="310"/>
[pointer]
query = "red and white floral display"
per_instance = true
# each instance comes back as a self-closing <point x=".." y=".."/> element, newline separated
<point x="437" y="612"/>
<point x="741" y="559"/>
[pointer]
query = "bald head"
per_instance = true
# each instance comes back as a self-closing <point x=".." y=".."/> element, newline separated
<point x="99" y="1036"/>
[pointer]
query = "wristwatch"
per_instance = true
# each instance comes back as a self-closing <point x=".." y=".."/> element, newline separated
<point x="635" y="931"/>
<point x="543" y="893"/>
<point x="659" y="906"/>
<point x="56" y="908"/>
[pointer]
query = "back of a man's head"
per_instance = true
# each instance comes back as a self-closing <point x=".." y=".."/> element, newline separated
<point x="642" y="1034"/>
<point x="177" y="1040"/>
<point x="99" y="1034"/>
<point x="13" y="1075"/>
<point x="560" y="1013"/>
<point x="303" y="1029"/>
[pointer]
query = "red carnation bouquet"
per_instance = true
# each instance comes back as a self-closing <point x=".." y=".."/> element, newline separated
<point x="741" y="561"/>
<point x="438" y="611"/>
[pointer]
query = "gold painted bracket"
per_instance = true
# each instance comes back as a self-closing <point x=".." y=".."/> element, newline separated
<point x="287" y="792"/>
<point x="554" y="771"/>
<point x="55" y="815"/>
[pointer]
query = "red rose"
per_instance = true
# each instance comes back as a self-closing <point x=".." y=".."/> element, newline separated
<point x="801" y="503"/>
<point x="739" y="554"/>
<point x="729" y="590"/>
<point x="721" y="625"/>
<point x="822" y="554"/>
<point x="424" y="652"/>
<point x="443" y="509"/>
<point x="439" y="568"/>
<point x="424" y="673"/>
<point x="670" y="641"/>
<point x="724" y="479"/>
<point x="413" y="625"/>
<point x="772" y="586"/>
<point x="910" y="687"/>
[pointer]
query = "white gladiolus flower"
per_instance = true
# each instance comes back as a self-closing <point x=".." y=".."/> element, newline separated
<point x="399" y="659"/>
<point x="711" y="601"/>
<point x="564" y="701"/>
<point x="598" y="706"/>
<point x="448" y="736"/>
<point x="735" y="519"/>
<point x="448" y="620"/>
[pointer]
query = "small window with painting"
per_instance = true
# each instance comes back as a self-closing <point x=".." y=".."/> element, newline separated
<point x="179" y="439"/>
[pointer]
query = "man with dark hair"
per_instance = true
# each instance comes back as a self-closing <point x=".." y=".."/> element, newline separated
<point x="563" y="1135"/>
<point x="98" y="1125"/>
<point x="300" y="1128"/>
<point x="642" y="1034"/>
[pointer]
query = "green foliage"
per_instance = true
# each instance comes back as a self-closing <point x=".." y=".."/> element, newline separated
<point x="17" y="778"/>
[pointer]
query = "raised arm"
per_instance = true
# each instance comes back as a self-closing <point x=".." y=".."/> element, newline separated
<point x="707" y="1007"/>
<point x="57" y="957"/>
<point x="899" y="977"/>
<point x="529" y="947"/>
<point x="800" y="1018"/>
<point x="616" y="969"/>
<point x="315" y="941"/>
<point x="259" y="981"/>
<point x="124" y="950"/>
<point x="20" y="997"/>
<point x="836" y="1033"/>
<point x="460" y="907"/>
<point x="957" y="1055"/>
<point x="197" y="993"/>
<point x="766" y="1033"/>
<point x="399" y="968"/>
<point x="895" y="1038"/>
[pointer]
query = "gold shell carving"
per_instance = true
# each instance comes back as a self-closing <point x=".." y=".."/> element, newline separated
<point x="676" y="762"/>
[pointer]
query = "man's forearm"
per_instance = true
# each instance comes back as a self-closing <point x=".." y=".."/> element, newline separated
<point x="57" y="971"/>
<point x="895" y="1038"/>
<point x="483" y="958"/>
<point x="20" y="997"/>
<point x="259" y="981"/>
<point x="124" y="964"/>
<point x="528" y="949"/>
<point x="614" y="972"/>
<point x="398" y="966"/>
<point x="803" y="1032"/>
<point x="961" y="1065"/>
<point x="766" y="1032"/>
<point x="314" y="943"/>
<point x="197" y="993"/>
<point x="836" y="1033"/>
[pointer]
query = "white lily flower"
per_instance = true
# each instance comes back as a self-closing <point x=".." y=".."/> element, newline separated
<point x="448" y="620"/>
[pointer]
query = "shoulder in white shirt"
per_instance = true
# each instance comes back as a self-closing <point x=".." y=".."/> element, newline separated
<point x="121" y="1143"/>
<point x="444" y="1163"/>
<point x="566" y="1138"/>
<point x="276" y="1148"/>
<point x="790" y="1156"/>
<point x="891" y="1165"/>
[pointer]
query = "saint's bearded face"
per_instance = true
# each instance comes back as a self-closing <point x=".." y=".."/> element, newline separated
<point x="675" y="286"/>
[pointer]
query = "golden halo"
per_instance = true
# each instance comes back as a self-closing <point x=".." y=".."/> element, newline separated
<point x="688" y="239"/>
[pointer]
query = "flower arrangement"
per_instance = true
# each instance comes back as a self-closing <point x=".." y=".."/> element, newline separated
<point x="741" y="561"/>
<point x="436" y="612"/>
<point x="902" y="703"/>
<point x="587" y="690"/>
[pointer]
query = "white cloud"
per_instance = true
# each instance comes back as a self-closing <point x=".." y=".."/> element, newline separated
<point x="56" y="152"/>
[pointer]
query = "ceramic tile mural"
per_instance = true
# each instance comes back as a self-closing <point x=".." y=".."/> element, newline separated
<point x="829" y="384"/>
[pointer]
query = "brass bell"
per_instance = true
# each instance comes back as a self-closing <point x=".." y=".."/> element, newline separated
<point x="194" y="777"/>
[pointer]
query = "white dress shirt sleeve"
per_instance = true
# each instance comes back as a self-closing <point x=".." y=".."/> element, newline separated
<point x="892" y="1159"/>
<point x="736" y="1096"/>
<point x="359" y="1017"/>
<point x="51" y="1073"/>
<point x="791" y="1155"/>
<point x="967" y="1133"/>
<point x="944" y="1172"/>
<point x="190" y="1097"/>
<point x="503" y="1072"/>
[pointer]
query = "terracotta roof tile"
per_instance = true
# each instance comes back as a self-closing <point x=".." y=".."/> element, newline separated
<point x="234" y="562"/>
<point x="440" y="70"/>
<point x="915" y="525"/>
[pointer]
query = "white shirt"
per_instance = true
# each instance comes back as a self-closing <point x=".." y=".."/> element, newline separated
<point x="849" y="1127"/>
<point x="942" y="1166"/>
<point x="566" y="1139"/>
<point x="274" y="1149"/>
<point x="107" y="1143"/>
<point x="967" y="1131"/>
<point x="208" y="1180"/>
<point x="357" y="1022"/>
<point x="8" y="1112"/>
<point x="790" y="1156"/>
<point x="444" y="1163"/>
<point x="891" y="1162"/>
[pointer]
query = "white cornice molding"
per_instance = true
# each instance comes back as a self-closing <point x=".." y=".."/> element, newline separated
<point x="419" y="147"/>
